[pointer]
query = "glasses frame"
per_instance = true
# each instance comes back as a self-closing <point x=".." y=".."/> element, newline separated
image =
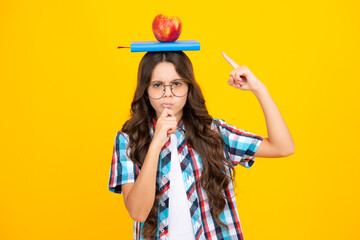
<point x="171" y="89"/>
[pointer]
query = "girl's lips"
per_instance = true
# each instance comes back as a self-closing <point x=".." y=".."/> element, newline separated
<point x="166" y="105"/>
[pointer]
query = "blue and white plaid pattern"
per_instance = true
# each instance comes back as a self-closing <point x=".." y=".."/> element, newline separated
<point x="240" y="147"/>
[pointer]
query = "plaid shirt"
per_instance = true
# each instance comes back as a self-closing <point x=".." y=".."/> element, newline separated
<point x="240" y="147"/>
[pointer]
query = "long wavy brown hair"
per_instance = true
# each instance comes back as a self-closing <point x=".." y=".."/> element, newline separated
<point x="208" y="143"/>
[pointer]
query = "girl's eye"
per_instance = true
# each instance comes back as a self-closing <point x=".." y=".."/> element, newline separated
<point x="156" y="85"/>
<point x="177" y="84"/>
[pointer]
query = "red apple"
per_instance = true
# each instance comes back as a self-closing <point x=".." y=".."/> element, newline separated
<point x="166" y="28"/>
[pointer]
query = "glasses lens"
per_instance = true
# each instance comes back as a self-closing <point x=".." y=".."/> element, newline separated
<point x="179" y="89"/>
<point x="156" y="90"/>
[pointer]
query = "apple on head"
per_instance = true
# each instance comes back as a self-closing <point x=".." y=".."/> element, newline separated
<point x="166" y="28"/>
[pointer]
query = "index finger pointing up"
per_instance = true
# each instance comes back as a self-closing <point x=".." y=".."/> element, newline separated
<point x="230" y="61"/>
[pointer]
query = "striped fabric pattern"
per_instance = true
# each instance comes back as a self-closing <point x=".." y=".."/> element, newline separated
<point x="240" y="147"/>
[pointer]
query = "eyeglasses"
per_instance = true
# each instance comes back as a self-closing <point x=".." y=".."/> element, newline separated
<point x="157" y="90"/>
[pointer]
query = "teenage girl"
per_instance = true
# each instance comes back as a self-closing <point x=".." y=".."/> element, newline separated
<point x="174" y="163"/>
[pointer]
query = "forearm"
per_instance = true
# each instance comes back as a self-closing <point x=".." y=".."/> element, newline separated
<point x="278" y="132"/>
<point x="142" y="195"/>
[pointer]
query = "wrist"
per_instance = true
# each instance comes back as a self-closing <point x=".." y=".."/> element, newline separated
<point x="261" y="89"/>
<point x="154" y="146"/>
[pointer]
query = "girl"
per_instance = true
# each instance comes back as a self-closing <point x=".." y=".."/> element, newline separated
<point x="174" y="163"/>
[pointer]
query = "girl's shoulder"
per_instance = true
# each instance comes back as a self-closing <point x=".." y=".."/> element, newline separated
<point x="225" y="128"/>
<point x="122" y="136"/>
<point x="218" y="123"/>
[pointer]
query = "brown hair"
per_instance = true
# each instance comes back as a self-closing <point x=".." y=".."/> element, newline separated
<point x="208" y="143"/>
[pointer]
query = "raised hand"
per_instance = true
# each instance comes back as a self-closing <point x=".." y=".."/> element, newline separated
<point x="165" y="126"/>
<point x="241" y="77"/>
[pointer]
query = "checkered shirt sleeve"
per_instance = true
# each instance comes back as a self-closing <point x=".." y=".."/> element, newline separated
<point x="122" y="169"/>
<point x="240" y="145"/>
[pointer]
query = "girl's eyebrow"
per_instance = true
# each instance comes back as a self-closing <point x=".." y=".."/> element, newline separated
<point x="171" y="81"/>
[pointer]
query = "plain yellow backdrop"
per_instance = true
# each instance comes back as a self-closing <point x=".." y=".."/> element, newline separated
<point x="66" y="90"/>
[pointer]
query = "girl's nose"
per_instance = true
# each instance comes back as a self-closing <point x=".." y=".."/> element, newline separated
<point x="168" y="92"/>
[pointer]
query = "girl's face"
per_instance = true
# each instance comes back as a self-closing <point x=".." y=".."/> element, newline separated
<point x="165" y="73"/>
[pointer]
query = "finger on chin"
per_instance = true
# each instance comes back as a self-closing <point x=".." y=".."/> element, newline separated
<point x="170" y="112"/>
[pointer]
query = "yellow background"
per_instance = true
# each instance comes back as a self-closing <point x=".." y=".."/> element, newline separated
<point x="66" y="90"/>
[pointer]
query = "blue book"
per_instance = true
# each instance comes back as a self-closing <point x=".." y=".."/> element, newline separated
<point x="155" y="46"/>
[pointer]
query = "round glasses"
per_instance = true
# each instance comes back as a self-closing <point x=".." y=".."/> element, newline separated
<point x="157" y="90"/>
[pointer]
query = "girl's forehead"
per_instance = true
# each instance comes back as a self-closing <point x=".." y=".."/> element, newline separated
<point x="164" y="71"/>
<point x="169" y="81"/>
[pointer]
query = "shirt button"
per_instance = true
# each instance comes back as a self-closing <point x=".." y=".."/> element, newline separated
<point x="164" y="176"/>
<point x="161" y="230"/>
<point x="163" y="204"/>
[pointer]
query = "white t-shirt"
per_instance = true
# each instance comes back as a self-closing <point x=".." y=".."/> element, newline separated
<point x="180" y="226"/>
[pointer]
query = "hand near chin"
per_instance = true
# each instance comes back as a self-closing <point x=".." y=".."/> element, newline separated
<point x="165" y="126"/>
<point x="241" y="77"/>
